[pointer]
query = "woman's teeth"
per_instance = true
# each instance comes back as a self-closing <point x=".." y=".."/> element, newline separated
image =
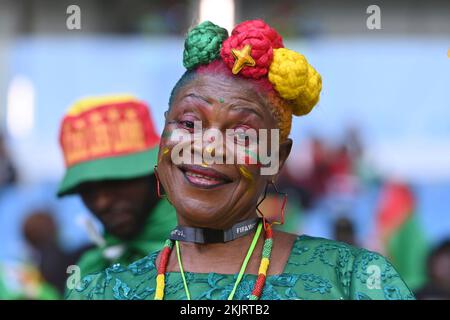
<point x="202" y="179"/>
<point x="198" y="175"/>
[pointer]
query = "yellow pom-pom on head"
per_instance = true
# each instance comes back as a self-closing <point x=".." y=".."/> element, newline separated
<point x="310" y="94"/>
<point x="295" y="80"/>
<point x="288" y="73"/>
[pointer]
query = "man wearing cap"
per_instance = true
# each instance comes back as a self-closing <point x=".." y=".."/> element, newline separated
<point x="110" y="148"/>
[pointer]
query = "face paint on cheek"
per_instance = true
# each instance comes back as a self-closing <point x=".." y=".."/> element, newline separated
<point x="172" y="134"/>
<point x="166" y="134"/>
<point x="252" y="158"/>
<point x="165" y="150"/>
<point x="247" y="175"/>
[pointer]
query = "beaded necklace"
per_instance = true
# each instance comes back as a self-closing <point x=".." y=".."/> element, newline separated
<point x="262" y="272"/>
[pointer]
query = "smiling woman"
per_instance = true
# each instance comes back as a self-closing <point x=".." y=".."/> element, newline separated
<point x="224" y="249"/>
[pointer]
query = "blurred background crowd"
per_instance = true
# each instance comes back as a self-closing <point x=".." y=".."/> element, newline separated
<point x="370" y="166"/>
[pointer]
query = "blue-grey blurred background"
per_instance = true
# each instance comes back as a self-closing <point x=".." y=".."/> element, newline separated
<point x="383" y="117"/>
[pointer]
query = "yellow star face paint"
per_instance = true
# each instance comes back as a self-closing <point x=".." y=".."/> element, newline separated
<point x="247" y="175"/>
<point x="164" y="151"/>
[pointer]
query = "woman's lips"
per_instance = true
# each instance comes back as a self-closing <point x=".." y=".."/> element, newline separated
<point x="202" y="177"/>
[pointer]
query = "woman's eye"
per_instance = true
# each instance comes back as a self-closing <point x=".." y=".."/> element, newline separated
<point x="241" y="137"/>
<point x="186" y="124"/>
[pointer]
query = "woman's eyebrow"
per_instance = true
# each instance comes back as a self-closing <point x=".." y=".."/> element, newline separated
<point x="246" y="109"/>
<point x="193" y="95"/>
<point x="236" y="107"/>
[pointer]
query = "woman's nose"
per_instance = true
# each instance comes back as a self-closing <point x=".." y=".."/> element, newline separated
<point x="213" y="147"/>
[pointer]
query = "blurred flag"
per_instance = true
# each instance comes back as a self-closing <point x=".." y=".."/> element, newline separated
<point x="401" y="234"/>
<point x="19" y="281"/>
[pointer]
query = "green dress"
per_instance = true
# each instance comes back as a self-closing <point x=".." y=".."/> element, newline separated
<point x="317" y="269"/>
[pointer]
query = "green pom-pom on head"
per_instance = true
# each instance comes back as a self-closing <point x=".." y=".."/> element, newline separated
<point x="203" y="44"/>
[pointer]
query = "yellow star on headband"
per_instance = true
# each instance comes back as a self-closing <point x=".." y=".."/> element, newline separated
<point x="243" y="58"/>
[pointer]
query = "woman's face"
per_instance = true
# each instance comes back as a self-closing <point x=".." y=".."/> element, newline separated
<point x="215" y="195"/>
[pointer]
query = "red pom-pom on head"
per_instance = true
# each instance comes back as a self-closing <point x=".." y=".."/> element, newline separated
<point x="260" y="25"/>
<point x="262" y="40"/>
